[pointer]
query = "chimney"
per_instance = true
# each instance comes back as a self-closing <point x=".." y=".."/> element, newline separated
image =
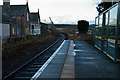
<point x="6" y="7"/>
<point x="6" y="1"/>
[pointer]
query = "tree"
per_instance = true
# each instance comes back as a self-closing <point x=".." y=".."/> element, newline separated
<point x="83" y="26"/>
<point x="104" y="6"/>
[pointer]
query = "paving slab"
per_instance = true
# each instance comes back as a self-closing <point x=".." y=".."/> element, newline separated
<point x="91" y="63"/>
<point x="82" y="62"/>
<point x="69" y="66"/>
<point x="54" y="68"/>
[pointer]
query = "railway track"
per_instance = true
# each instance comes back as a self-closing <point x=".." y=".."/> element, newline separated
<point x="26" y="71"/>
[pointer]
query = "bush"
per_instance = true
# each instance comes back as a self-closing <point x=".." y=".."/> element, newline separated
<point x="83" y="26"/>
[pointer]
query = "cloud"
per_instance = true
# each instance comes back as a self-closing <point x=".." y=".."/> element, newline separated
<point x="63" y="11"/>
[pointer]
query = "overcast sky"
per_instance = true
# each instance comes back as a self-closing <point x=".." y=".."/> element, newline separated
<point x="62" y="11"/>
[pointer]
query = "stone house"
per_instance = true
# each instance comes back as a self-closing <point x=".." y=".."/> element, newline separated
<point x="35" y="23"/>
<point x="20" y="15"/>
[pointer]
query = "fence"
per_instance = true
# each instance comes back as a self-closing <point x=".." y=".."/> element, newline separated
<point x="106" y="34"/>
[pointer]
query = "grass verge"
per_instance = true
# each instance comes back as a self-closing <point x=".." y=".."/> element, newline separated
<point x="23" y="46"/>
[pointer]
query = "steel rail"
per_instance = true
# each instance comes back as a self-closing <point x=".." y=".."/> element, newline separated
<point x="13" y="72"/>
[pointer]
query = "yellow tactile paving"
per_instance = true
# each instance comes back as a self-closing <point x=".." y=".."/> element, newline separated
<point x="69" y="66"/>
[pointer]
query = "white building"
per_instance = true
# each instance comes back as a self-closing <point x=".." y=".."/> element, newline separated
<point x="4" y="28"/>
<point x="35" y="23"/>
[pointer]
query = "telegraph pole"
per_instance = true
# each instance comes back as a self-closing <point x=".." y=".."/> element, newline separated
<point x="51" y="20"/>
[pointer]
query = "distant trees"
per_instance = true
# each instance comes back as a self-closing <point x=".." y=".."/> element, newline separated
<point x="83" y="26"/>
<point x="104" y="6"/>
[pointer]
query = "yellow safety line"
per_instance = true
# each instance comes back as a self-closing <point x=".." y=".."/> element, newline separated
<point x="95" y="36"/>
<point x="106" y="53"/>
<point x="68" y="70"/>
<point x="113" y="41"/>
<point x="110" y="56"/>
<point x="99" y="37"/>
<point x="118" y="59"/>
<point x="97" y="47"/>
<point x="109" y="40"/>
<point x="112" y="46"/>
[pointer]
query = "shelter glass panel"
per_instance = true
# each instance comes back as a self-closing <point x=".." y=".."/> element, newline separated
<point x="96" y="31"/>
<point x="119" y="35"/>
<point x="112" y="31"/>
<point x="105" y="30"/>
<point x="119" y="42"/>
<point x="100" y="31"/>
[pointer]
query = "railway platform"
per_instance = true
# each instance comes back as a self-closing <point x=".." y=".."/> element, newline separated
<point x="78" y="60"/>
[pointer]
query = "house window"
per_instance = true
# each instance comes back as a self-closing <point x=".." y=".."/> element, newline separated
<point x="13" y="30"/>
<point x="38" y="21"/>
<point x="17" y="31"/>
<point x="32" y="28"/>
<point x="27" y="17"/>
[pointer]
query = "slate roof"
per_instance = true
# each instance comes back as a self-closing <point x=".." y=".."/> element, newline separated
<point x="34" y="16"/>
<point x="18" y="10"/>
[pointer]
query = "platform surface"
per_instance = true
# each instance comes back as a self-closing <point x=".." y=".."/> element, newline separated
<point x="91" y="63"/>
<point x="54" y="68"/>
<point x="79" y="60"/>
